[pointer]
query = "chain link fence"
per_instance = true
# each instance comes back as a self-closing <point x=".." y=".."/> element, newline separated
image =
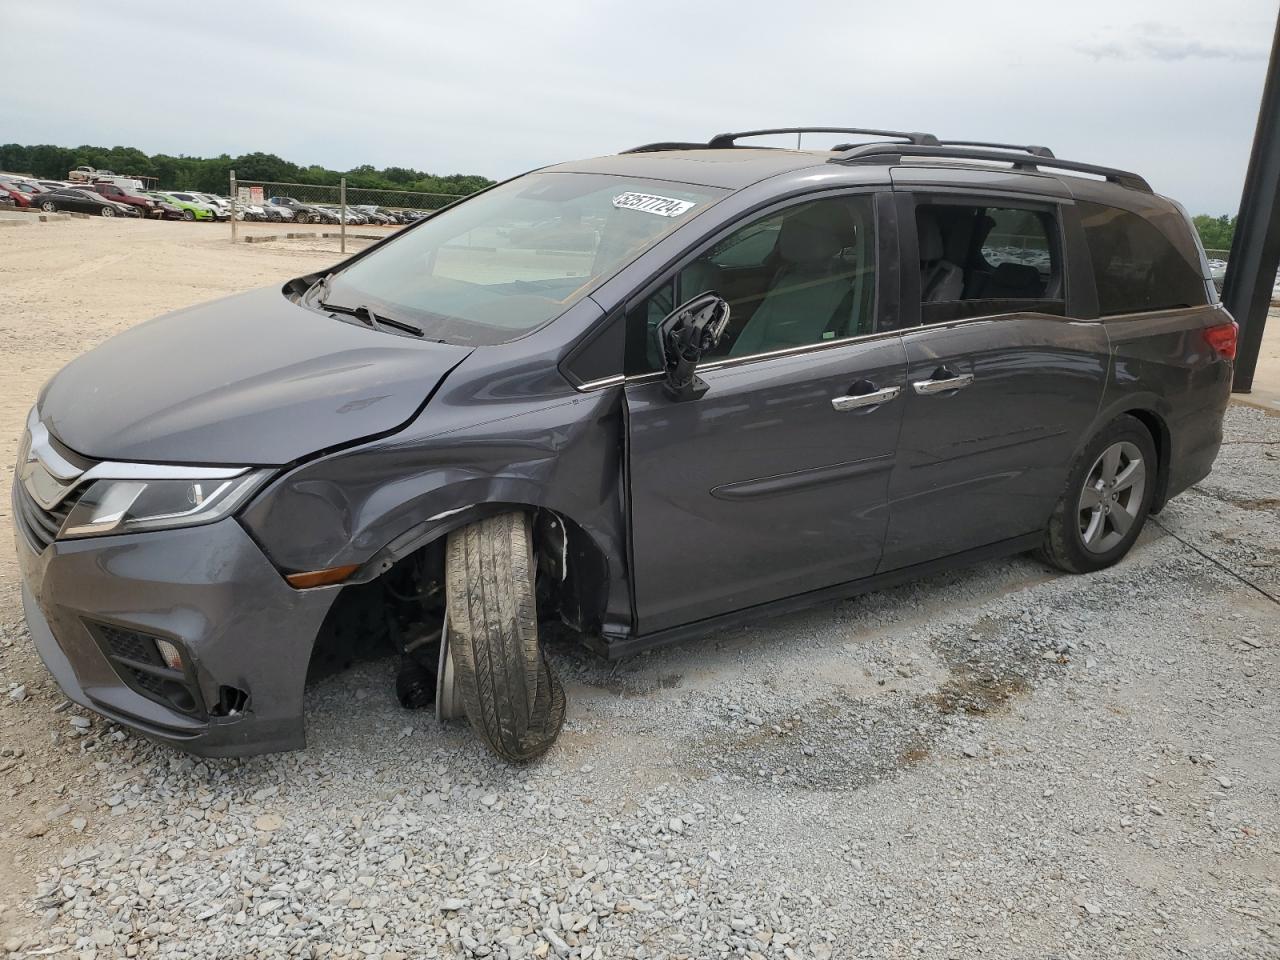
<point x="336" y="205"/>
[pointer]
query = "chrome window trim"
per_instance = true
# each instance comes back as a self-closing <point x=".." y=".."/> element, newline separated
<point x="721" y="364"/>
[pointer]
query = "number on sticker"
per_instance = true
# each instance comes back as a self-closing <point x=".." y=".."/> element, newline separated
<point x="652" y="203"/>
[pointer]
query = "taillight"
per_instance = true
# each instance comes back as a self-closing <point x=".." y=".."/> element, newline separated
<point x="1223" y="339"/>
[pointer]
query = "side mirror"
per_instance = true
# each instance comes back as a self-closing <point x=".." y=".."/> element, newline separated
<point x="684" y="335"/>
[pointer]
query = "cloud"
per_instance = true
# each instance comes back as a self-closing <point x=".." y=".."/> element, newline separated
<point x="1158" y="41"/>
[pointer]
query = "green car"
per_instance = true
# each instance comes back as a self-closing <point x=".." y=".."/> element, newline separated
<point x="191" y="208"/>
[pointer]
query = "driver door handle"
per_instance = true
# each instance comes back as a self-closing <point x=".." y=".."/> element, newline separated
<point x="860" y="400"/>
<point x="928" y="387"/>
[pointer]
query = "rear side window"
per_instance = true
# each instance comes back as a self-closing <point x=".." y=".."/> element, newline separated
<point x="1136" y="266"/>
<point x="978" y="259"/>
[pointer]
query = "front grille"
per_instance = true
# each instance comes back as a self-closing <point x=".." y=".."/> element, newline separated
<point x="140" y="666"/>
<point x="38" y="525"/>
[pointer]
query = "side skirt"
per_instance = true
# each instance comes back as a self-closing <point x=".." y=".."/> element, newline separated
<point x="617" y="647"/>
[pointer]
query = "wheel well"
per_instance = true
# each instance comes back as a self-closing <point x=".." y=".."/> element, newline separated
<point x="377" y="617"/>
<point x="1159" y="431"/>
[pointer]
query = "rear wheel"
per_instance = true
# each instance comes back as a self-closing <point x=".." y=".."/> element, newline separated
<point x="1106" y="502"/>
<point x="511" y="696"/>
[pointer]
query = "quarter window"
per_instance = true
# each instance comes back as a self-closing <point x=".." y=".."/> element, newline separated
<point x="978" y="259"/>
<point x="1136" y="266"/>
<point x="795" y="277"/>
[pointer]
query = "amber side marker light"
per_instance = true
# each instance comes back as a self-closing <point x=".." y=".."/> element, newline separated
<point x="321" y="578"/>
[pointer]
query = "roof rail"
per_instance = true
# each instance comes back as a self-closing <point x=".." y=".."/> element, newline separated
<point x="1027" y="148"/>
<point x="892" y="152"/>
<point x="666" y="145"/>
<point x="728" y="139"/>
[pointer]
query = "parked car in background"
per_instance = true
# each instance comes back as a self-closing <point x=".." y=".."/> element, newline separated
<point x="278" y="213"/>
<point x="78" y="200"/>
<point x="145" y="206"/>
<point x="413" y="216"/>
<point x="375" y="214"/>
<point x="192" y="209"/>
<point x="168" y="211"/>
<point x="85" y="173"/>
<point x="221" y="208"/>
<point x="353" y="216"/>
<point x="20" y="197"/>
<point x="305" y="212"/>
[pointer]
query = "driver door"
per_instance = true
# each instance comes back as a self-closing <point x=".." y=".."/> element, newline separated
<point x="774" y="482"/>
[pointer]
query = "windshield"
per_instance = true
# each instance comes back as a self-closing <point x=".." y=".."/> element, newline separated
<point x="509" y="260"/>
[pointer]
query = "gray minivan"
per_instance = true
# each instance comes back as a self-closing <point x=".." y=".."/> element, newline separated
<point x="643" y="396"/>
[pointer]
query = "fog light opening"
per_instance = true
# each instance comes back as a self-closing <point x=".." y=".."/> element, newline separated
<point x="179" y="696"/>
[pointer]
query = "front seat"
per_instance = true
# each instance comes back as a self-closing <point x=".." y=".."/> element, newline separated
<point x="940" y="279"/>
<point x="810" y="287"/>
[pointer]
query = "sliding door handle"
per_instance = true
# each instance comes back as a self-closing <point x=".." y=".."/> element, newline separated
<point x="929" y="387"/>
<point x="859" y="401"/>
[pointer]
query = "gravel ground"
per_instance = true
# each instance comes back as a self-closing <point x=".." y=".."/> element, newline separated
<point x="1000" y="761"/>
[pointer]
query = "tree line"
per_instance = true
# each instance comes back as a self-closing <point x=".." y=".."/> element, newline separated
<point x="212" y="174"/>
<point x="1216" y="233"/>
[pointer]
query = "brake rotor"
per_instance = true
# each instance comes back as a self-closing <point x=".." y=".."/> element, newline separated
<point x="448" y="696"/>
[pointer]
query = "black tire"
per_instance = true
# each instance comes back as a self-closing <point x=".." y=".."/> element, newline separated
<point x="49" y="206"/>
<point x="1065" y="542"/>
<point x="108" y="211"/>
<point x="511" y="695"/>
<point x="188" y="214"/>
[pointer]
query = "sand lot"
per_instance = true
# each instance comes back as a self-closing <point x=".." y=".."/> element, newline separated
<point x="1001" y="761"/>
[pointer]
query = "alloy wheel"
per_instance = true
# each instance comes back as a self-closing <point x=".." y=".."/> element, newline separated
<point x="49" y="206"/>
<point x="1112" y="496"/>
<point x="108" y="212"/>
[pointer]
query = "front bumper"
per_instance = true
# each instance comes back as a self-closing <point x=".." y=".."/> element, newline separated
<point x="207" y="589"/>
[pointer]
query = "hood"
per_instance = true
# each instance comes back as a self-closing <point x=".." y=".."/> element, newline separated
<point x="251" y="380"/>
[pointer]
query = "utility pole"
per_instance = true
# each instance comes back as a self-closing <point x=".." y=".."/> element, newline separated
<point x="1255" y="248"/>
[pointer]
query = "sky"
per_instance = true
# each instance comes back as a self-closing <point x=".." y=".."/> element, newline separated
<point x="1168" y="88"/>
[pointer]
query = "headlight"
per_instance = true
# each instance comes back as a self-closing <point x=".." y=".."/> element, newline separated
<point x="153" y="501"/>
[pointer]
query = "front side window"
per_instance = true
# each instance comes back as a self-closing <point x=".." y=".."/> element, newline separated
<point x="1136" y="266"/>
<point x="975" y="258"/>
<point x="505" y="262"/>
<point x="799" y="276"/>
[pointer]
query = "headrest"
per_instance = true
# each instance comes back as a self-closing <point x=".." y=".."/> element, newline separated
<point x="930" y="237"/>
<point x="815" y="234"/>
<point x="1018" y="275"/>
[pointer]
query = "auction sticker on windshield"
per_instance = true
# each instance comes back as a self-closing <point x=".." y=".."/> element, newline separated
<point x="652" y="203"/>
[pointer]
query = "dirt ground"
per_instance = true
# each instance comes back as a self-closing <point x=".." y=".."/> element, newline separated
<point x="999" y="761"/>
<point x="66" y="286"/>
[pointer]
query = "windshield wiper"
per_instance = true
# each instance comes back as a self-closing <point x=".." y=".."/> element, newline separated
<point x="363" y="313"/>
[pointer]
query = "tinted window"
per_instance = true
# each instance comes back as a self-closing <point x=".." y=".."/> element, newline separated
<point x="974" y="259"/>
<point x="799" y="276"/>
<point x="1136" y="266"/>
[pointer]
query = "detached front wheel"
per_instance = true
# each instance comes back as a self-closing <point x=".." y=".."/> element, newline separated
<point x="511" y="696"/>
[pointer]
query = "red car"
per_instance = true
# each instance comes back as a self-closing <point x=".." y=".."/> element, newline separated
<point x="22" y="198"/>
<point x="145" y="205"/>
